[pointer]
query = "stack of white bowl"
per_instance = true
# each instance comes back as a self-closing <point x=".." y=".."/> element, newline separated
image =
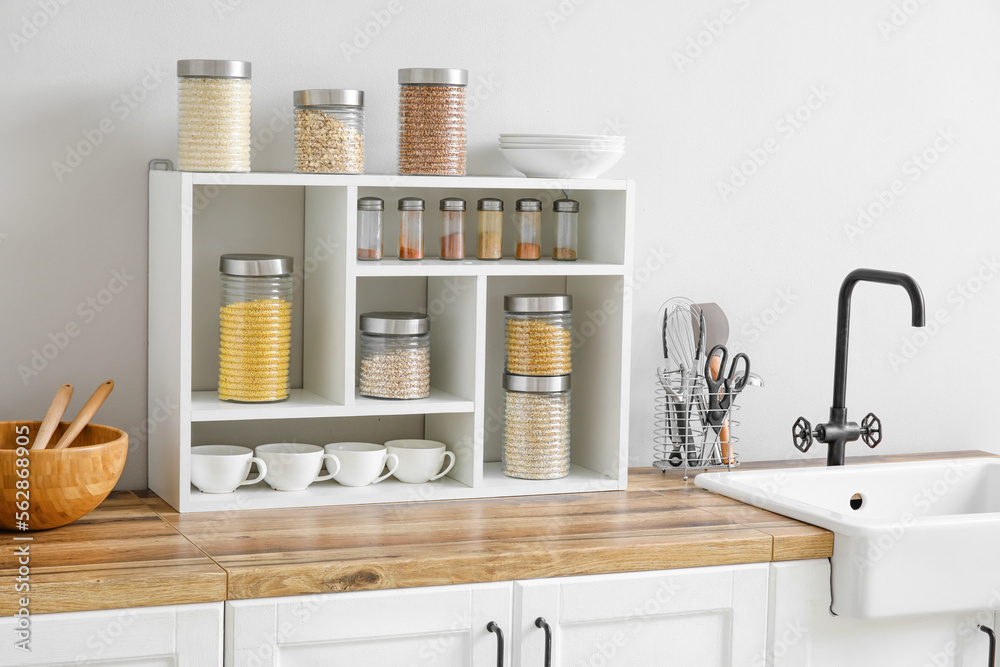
<point x="562" y="155"/>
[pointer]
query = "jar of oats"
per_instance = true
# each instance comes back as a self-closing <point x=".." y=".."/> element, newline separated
<point x="539" y="334"/>
<point x="213" y="115"/>
<point x="329" y="131"/>
<point x="395" y="355"/>
<point x="432" y="121"/>
<point x="536" y="438"/>
<point x="255" y="327"/>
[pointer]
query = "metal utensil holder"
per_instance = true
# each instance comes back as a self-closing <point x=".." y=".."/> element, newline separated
<point x="682" y="435"/>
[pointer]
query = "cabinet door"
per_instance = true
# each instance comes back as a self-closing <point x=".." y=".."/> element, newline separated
<point x="169" y="636"/>
<point x="709" y="616"/>
<point x="441" y="626"/>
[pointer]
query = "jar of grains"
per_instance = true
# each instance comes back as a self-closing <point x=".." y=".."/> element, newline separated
<point x="536" y="426"/>
<point x="528" y="223"/>
<point x="432" y="121"/>
<point x="370" y="227"/>
<point x="329" y="131"/>
<point x="213" y="115"/>
<point x="411" y="228"/>
<point x="490" y="228"/>
<point x="539" y="335"/>
<point x="255" y="327"/>
<point x="395" y="355"/>
<point x="452" y="228"/>
<point x="567" y="211"/>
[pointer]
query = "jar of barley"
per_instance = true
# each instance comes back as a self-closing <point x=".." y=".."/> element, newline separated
<point x="329" y="131"/>
<point x="213" y="115"/>
<point x="536" y="438"/>
<point x="538" y="334"/>
<point x="255" y="327"/>
<point x="432" y="121"/>
<point x="395" y="355"/>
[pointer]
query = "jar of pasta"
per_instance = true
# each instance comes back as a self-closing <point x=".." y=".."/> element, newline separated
<point x="213" y="115"/>
<point x="538" y="334"/>
<point x="536" y="437"/>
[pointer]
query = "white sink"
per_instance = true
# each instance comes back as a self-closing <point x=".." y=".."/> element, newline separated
<point x="924" y="540"/>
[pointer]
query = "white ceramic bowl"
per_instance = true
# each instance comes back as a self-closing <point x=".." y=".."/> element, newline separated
<point x="557" y="138"/>
<point x="561" y="162"/>
<point x="572" y="147"/>
<point x="601" y="143"/>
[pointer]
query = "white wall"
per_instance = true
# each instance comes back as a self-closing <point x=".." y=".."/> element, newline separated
<point x="772" y="253"/>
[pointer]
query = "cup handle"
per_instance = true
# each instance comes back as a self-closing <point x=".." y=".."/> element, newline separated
<point x="392" y="461"/>
<point x="323" y="478"/>
<point x="445" y="471"/>
<point x="261" y="471"/>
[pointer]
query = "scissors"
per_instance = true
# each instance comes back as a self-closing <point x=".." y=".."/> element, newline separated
<point x="724" y="386"/>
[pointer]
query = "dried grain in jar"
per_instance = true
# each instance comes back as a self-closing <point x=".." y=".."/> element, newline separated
<point x="538" y="334"/>
<point x="432" y="121"/>
<point x="536" y="431"/>
<point x="213" y="99"/>
<point x="411" y="228"/>
<point x="490" y="228"/>
<point x="329" y="131"/>
<point x="395" y="355"/>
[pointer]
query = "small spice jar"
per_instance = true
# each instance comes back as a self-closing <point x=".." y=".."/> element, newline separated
<point x="538" y="334"/>
<point x="411" y="228"/>
<point x="536" y="438"/>
<point x="255" y="327"/>
<point x="329" y="131"/>
<point x="452" y="228"/>
<point x="395" y="355"/>
<point x="370" y="228"/>
<point x="528" y="222"/>
<point x="432" y="121"/>
<point x="213" y="115"/>
<point x="490" y="228"/>
<point x="567" y="228"/>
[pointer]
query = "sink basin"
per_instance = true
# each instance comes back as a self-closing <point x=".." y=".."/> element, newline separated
<point x="909" y="538"/>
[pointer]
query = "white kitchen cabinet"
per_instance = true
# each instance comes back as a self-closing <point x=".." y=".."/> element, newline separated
<point x="169" y="636"/>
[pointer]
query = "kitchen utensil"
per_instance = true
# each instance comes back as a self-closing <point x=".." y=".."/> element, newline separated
<point x="562" y="162"/>
<point x="292" y="466"/>
<point x="53" y="416"/>
<point x="86" y="413"/>
<point x="716" y="325"/>
<point x="361" y="463"/>
<point x="420" y="460"/>
<point x="724" y="448"/>
<point x="224" y="468"/>
<point x="721" y="384"/>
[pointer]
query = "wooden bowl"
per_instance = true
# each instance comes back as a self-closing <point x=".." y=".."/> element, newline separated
<point x="63" y="484"/>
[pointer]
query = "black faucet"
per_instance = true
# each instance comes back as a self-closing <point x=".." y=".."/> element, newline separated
<point x="838" y="431"/>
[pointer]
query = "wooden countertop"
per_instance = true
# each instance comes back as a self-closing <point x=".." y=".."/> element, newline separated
<point x="134" y="550"/>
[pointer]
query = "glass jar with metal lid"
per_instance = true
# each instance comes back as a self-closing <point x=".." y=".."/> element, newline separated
<point x="567" y="211"/>
<point x="432" y="121"/>
<point x="452" y="228"/>
<point x="329" y="131"/>
<point x="370" y="228"/>
<point x="528" y="223"/>
<point x="538" y="334"/>
<point x="536" y="428"/>
<point x="411" y="228"/>
<point x="490" y="228"/>
<point x="395" y="355"/>
<point x="255" y="327"/>
<point x="213" y="99"/>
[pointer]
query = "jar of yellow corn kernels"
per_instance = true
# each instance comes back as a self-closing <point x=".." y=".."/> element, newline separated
<point x="255" y="327"/>
<point x="214" y="115"/>
<point x="538" y="334"/>
<point x="536" y="426"/>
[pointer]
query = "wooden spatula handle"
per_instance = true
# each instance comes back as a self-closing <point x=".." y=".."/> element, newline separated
<point x="714" y="364"/>
<point x="53" y="416"/>
<point x="85" y="414"/>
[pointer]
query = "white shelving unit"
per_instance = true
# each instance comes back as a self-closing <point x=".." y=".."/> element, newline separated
<point x="196" y="217"/>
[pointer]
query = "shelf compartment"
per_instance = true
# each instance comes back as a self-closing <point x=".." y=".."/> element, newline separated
<point x="546" y="266"/>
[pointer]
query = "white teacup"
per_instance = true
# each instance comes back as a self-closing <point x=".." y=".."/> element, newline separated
<point x="223" y="468"/>
<point x="361" y="463"/>
<point x="292" y="466"/>
<point x="420" y="460"/>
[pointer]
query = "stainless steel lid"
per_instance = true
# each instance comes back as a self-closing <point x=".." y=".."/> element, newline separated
<point x="536" y="384"/>
<point x="452" y="204"/>
<point x="528" y="204"/>
<point x="318" y="97"/>
<point x="222" y="69"/>
<point x="411" y="204"/>
<point x="490" y="204"/>
<point x="253" y="264"/>
<point x="538" y="303"/>
<point x="371" y="204"/>
<point x="566" y="206"/>
<point x="395" y="323"/>
<point x="420" y="76"/>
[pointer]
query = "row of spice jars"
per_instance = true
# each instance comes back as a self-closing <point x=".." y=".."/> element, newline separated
<point x="528" y="225"/>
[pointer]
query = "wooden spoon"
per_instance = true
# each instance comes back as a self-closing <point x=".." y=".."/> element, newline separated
<point x="85" y="414"/>
<point x="714" y="364"/>
<point x="53" y="416"/>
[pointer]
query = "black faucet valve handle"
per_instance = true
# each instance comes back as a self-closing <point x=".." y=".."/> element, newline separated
<point x="802" y="435"/>
<point x="871" y="430"/>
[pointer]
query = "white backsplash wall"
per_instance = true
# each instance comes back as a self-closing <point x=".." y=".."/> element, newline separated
<point x="759" y="134"/>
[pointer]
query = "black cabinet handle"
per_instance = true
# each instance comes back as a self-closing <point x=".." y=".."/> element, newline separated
<point x="540" y="623"/>
<point x="493" y="627"/>
<point x="993" y="644"/>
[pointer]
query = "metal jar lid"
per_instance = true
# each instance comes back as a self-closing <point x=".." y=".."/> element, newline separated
<point x="528" y="204"/>
<point x="452" y="204"/>
<point x="490" y="204"/>
<point x="322" y="97"/>
<point x="253" y="264"/>
<point x="392" y="323"/>
<point x="420" y="76"/>
<point x="536" y="384"/>
<point x="371" y="204"/>
<point x="411" y="204"/>
<point x="538" y="303"/>
<point x="566" y="206"/>
<point x="221" y="69"/>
